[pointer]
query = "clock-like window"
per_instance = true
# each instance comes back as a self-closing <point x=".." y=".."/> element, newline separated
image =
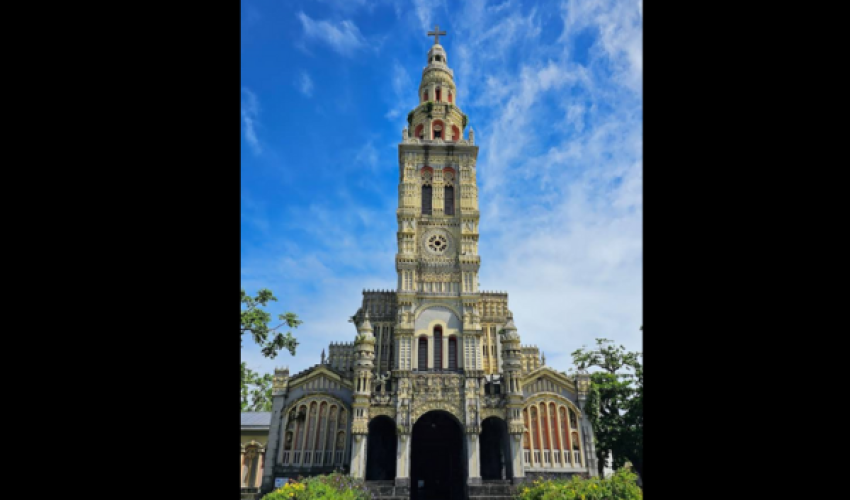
<point x="438" y="243"/>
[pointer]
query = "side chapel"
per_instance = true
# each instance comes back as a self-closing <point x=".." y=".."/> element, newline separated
<point x="436" y="396"/>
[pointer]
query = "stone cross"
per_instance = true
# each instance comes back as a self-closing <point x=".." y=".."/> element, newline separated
<point x="436" y="34"/>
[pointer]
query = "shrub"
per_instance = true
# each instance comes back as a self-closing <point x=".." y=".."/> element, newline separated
<point x="620" y="486"/>
<point x="287" y="492"/>
<point x="334" y="486"/>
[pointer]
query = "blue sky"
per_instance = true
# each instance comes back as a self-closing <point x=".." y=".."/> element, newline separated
<point x="553" y="91"/>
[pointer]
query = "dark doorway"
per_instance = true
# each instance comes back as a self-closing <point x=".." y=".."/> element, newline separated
<point x="380" y="449"/>
<point x="438" y="465"/>
<point x="495" y="451"/>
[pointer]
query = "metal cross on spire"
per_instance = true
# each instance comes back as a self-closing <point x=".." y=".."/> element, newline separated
<point x="436" y="34"/>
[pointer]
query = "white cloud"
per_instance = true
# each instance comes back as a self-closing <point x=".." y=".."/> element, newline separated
<point x="404" y="91"/>
<point x="250" y="110"/>
<point x="343" y="37"/>
<point x="619" y="26"/>
<point x="367" y="156"/>
<point x="560" y="176"/>
<point x="424" y="10"/>
<point x="305" y="84"/>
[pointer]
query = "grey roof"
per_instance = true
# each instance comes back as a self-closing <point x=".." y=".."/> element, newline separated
<point x="256" y="419"/>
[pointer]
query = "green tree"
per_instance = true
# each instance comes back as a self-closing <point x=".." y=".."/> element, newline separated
<point x="615" y="402"/>
<point x="255" y="321"/>
<point x="257" y="388"/>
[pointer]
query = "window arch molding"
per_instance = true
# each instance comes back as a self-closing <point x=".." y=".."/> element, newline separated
<point x="550" y="440"/>
<point x="314" y="438"/>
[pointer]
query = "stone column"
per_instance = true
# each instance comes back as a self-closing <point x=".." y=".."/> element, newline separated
<point x="474" y="462"/>
<point x="259" y="476"/>
<point x="445" y="350"/>
<point x="430" y="353"/>
<point x="358" y="456"/>
<point x="242" y="468"/>
<point x="516" y="457"/>
<point x="402" y="466"/>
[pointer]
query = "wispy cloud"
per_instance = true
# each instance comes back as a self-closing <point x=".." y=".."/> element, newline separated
<point x="305" y="84"/>
<point x="343" y="37"/>
<point x="351" y="5"/>
<point x="250" y="111"/>
<point x="404" y="91"/>
<point x="553" y="89"/>
<point x="425" y="12"/>
<point x="367" y="155"/>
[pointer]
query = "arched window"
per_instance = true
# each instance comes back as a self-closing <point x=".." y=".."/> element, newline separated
<point x="573" y="421"/>
<point x="535" y="431"/>
<point x="427" y="193"/>
<point x="455" y="131"/>
<point x="452" y="353"/>
<point x="437" y="130"/>
<point x="250" y="466"/>
<point x="321" y="429"/>
<point x="426" y="199"/>
<point x="449" y="191"/>
<point x="423" y="353"/>
<point x="419" y="133"/>
<point x="438" y="347"/>
<point x="565" y="435"/>
<point x="553" y="426"/>
<point x="425" y="97"/>
<point x="438" y="91"/>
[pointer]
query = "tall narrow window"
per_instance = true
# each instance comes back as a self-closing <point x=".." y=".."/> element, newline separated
<point x="452" y="353"/>
<point x="438" y="95"/>
<point x="426" y="200"/>
<point x="423" y="353"/>
<point x="449" y="198"/>
<point x="450" y="97"/>
<point x="438" y="347"/>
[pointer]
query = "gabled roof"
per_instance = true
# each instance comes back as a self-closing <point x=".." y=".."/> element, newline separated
<point x="545" y="371"/>
<point x="259" y="420"/>
<point x="317" y="368"/>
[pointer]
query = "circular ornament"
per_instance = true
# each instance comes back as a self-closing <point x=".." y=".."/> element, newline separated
<point x="437" y="242"/>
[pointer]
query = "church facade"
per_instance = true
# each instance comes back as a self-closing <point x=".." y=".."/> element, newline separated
<point x="436" y="394"/>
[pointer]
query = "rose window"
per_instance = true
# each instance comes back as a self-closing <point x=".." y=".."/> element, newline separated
<point x="437" y="243"/>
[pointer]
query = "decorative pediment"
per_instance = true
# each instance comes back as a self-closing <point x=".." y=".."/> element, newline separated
<point x="548" y="374"/>
<point x="320" y="377"/>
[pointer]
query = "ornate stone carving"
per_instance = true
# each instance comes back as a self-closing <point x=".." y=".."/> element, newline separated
<point x="377" y="411"/>
<point x="492" y="412"/>
<point x="380" y="399"/>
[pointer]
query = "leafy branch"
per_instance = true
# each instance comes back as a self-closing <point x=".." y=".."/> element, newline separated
<point x="255" y="321"/>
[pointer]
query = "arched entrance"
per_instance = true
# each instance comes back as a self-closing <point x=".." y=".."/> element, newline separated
<point x="495" y="452"/>
<point x="381" y="449"/>
<point x="437" y="465"/>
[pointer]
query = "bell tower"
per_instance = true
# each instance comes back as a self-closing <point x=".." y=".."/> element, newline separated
<point x="437" y="260"/>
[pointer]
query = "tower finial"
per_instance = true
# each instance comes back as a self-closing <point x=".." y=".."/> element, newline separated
<point x="436" y="34"/>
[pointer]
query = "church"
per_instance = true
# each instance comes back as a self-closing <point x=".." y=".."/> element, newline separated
<point x="435" y="397"/>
